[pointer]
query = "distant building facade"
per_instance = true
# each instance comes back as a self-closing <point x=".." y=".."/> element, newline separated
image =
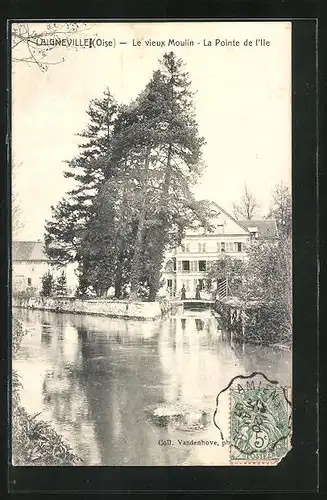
<point x="187" y="265"/>
<point x="30" y="263"/>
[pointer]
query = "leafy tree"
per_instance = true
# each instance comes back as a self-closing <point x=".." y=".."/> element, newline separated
<point x="47" y="284"/>
<point x="269" y="280"/>
<point x="247" y="207"/>
<point x="269" y="270"/>
<point x="266" y="275"/>
<point x="227" y="268"/>
<point x="281" y="210"/>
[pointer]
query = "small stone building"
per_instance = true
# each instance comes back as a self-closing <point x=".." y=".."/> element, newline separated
<point x="30" y="263"/>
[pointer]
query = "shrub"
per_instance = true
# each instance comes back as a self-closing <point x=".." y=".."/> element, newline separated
<point x="35" y="442"/>
<point x="17" y="335"/>
<point x="61" y="285"/>
<point x="26" y="294"/>
<point x="47" y="284"/>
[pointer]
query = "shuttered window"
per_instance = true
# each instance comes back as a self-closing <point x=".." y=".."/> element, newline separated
<point x="202" y="265"/>
<point x="186" y="266"/>
<point x="194" y="266"/>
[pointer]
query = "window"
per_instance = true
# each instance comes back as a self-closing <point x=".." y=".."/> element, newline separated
<point x="202" y="247"/>
<point x="254" y="231"/>
<point x="194" y="266"/>
<point x="174" y="263"/>
<point x="169" y="267"/>
<point x="238" y="247"/>
<point x="185" y="247"/>
<point x="29" y="281"/>
<point x="220" y="228"/>
<point x="185" y="265"/>
<point x="222" y="245"/>
<point x="202" y="265"/>
<point x="170" y="283"/>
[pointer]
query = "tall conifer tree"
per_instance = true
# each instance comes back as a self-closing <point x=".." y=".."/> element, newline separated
<point x="172" y="164"/>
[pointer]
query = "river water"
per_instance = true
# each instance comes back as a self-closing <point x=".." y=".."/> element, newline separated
<point x="94" y="377"/>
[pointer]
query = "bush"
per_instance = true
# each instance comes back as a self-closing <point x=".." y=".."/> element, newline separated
<point x="60" y="285"/>
<point x="26" y="294"/>
<point x="36" y="443"/>
<point x="17" y="335"/>
<point x="265" y="278"/>
<point x="47" y="284"/>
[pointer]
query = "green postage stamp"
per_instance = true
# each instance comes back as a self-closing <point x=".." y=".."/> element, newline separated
<point x="259" y="422"/>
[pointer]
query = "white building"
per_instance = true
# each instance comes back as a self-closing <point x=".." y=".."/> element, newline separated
<point x="30" y="263"/>
<point x="188" y="264"/>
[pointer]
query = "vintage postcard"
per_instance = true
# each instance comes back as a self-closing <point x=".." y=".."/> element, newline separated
<point x="151" y="243"/>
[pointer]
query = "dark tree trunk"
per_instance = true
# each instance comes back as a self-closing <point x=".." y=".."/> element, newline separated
<point x="119" y="270"/>
<point x="137" y="258"/>
<point x="118" y="277"/>
<point x="161" y="232"/>
<point x="117" y="287"/>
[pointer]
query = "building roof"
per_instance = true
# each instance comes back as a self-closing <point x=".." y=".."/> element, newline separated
<point x="266" y="228"/>
<point x="238" y="222"/>
<point x="28" y="251"/>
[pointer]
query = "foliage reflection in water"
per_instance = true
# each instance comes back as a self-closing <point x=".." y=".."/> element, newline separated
<point x="93" y="378"/>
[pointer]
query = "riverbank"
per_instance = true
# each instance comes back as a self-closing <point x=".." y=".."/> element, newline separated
<point x="100" y="307"/>
<point x="252" y="322"/>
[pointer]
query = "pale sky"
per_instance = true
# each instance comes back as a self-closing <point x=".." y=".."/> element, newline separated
<point x="243" y="107"/>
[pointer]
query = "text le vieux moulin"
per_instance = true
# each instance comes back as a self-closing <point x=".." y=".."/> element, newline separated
<point x="217" y="42"/>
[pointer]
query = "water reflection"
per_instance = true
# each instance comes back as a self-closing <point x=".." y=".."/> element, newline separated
<point x="94" y="377"/>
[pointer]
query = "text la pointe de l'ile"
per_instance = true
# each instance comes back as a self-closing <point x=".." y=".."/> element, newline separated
<point x="187" y="42"/>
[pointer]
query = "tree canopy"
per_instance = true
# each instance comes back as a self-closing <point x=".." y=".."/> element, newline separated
<point x="134" y="173"/>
